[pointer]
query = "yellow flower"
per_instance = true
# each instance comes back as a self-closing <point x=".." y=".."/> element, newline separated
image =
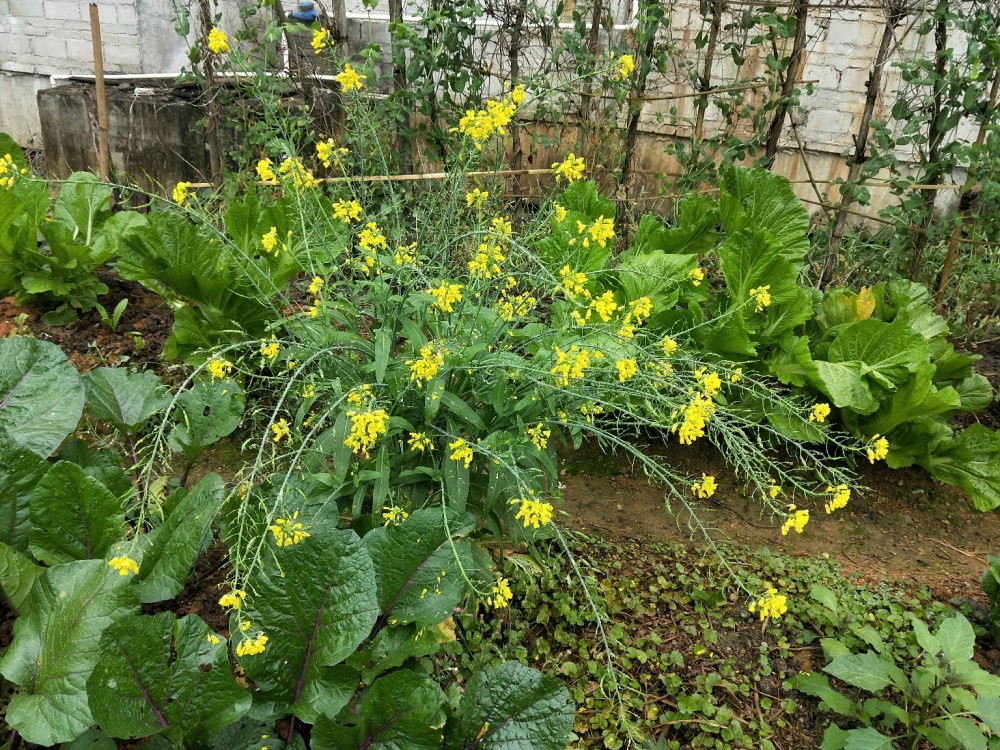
<point x="446" y="295"/>
<point x="605" y="306"/>
<point x="480" y="125"/>
<point x="626" y="369"/>
<point x="301" y="175"/>
<point x="270" y="240"/>
<point x="219" y="368"/>
<point x="839" y="497"/>
<point x="218" y="41"/>
<point x="213" y="639"/>
<point x="669" y="347"/>
<point x="878" y="448"/>
<point x="623" y="67"/>
<point x="485" y="264"/>
<point x="518" y="306"/>
<point x="705" y="488"/>
<point x="819" y="413"/>
<point x="600" y="231"/>
<point x="360" y="396"/>
<point x="426" y="367"/>
<point x="371" y="237"/>
<point x="366" y="427"/>
<point x="288" y="531"/>
<point x="124" y="565"/>
<point x="347" y="211"/>
<point x="572" y="168"/>
<point x="559" y="211"/>
<point x="349" y="79"/>
<point x="736" y="375"/>
<point x="476" y="198"/>
<point x="772" y="605"/>
<point x="501" y="227"/>
<point x="394" y="515"/>
<point x="774" y="490"/>
<point x="270" y="348"/>
<point x="281" y="430"/>
<point x="532" y="513"/>
<point x="501" y="595"/>
<point x="315" y="285"/>
<point x="571" y="364"/>
<point x="696" y="275"/>
<point x="328" y="153"/>
<point x="420" y="442"/>
<point x="404" y="254"/>
<point x="539" y="436"/>
<point x="265" y="170"/>
<point x="796" y="520"/>
<point x="761" y="296"/>
<point x="518" y="94"/>
<point x="252" y="646"/>
<point x="313" y="312"/>
<point x="573" y="283"/>
<point x="711" y="382"/>
<point x="180" y="193"/>
<point x="460" y="451"/>
<point x="309" y="391"/>
<point x="319" y="42"/>
<point x="234" y="599"/>
<point x="9" y="171"/>
<point x="696" y="415"/>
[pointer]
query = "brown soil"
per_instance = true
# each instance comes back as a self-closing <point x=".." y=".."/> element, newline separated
<point x="88" y="341"/>
<point x="907" y="526"/>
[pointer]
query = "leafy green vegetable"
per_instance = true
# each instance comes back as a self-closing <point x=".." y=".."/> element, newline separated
<point x="55" y="647"/>
<point x="124" y="399"/>
<point x="41" y="397"/>
<point x="158" y="675"/>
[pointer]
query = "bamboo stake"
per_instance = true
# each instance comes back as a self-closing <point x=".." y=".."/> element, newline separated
<point x="956" y="231"/>
<point x="795" y="61"/>
<point x="103" y="151"/>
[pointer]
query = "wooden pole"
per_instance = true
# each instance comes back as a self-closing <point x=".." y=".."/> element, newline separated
<point x="792" y="72"/>
<point x="956" y="232"/>
<point x="103" y="151"/>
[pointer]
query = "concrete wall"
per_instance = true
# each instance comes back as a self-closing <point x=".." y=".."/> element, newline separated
<point x="41" y="38"/>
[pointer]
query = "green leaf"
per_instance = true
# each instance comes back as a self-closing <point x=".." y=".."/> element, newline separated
<point x="972" y="462"/>
<point x="161" y="675"/>
<point x="122" y="398"/>
<point x="515" y="708"/>
<point x="17" y="575"/>
<point x="383" y="347"/>
<point x="456" y="484"/>
<point x="73" y="516"/>
<point x="866" y="671"/>
<point x="868" y="739"/>
<point x="462" y="410"/>
<point x="92" y="739"/>
<point x="178" y="541"/>
<point x="82" y="205"/>
<point x="20" y="471"/>
<point x="974" y="393"/>
<point x="957" y="639"/>
<point x="818" y="686"/>
<point x="316" y="610"/>
<point x="965" y="731"/>
<point x="55" y="647"/>
<point x="41" y="397"/>
<point x="417" y="565"/>
<point x="394" y="644"/>
<point x="206" y="413"/>
<point x="762" y="200"/>
<point x="401" y="711"/>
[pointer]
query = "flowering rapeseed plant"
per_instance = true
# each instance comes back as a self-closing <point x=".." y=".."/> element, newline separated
<point x="218" y="43"/>
<point x="124" y="565"/>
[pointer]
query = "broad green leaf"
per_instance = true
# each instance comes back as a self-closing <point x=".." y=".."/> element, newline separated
<point x="988" y="710"/>
<point x="176" y="543"/>
<point x="866" y="671"/>
<point x="972" y="462"/>
<point x="834" y="738"/>
<point x="868" y="739"/>
<point x="315" y="611"/>
<point x="456" y="484"/>
<point x="161" y="675"/>
<point x="20" y="471"/>
<point x="73" y="516"/>
<point x="401" y="711"/>
<point x="122" y="398"/>
<point x="394" y="644"/>
<point x="41" y="397"/>
<point x="917" y="397"/>
<point x="17" y="575"/>
<point x="417" y="565"/>
<point x="457" y="406"/>
<point x="825" y="597"/>
<point x="328" y="693"/>
<point x="55" y="647"/>
<point x="965" y="731"/>
<point x="974" y="392"/>
<point x="83" y="204"/>
<point x="92" y="739"/>
<point x="818" y="686"/>
<point x="250" y="734"/>
<point x="205" y="414"/>
<point x="383" y="347"/>
<point x="957" y="639"/>
<point x="512" y="707"/>
<point x="762" y="200"/>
